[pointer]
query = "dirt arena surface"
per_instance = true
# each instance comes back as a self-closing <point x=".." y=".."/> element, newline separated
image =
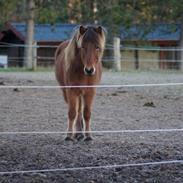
<point x="114" y="109"/>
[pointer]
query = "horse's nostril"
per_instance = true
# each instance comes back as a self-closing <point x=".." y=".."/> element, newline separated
<point x="89" y="71"/>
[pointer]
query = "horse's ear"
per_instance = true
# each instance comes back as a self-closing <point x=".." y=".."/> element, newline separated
<point x="99" y="30"/>
<point x="82" y="29"/>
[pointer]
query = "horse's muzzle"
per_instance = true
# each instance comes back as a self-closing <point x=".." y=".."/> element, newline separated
<point x="89" y="71"/>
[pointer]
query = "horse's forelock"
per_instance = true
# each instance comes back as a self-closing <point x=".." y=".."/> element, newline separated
<point x="95" y="35"/>
<point x="92" y="34"/>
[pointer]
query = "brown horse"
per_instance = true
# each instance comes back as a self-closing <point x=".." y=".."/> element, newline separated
<point x="78" y="62"/>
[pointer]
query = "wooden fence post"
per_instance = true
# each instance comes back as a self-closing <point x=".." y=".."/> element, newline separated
<point x="117" y="54"/>
<point x="136" y="55"/>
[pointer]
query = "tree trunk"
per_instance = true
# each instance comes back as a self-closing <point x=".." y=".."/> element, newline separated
<point x="28" y="62"/>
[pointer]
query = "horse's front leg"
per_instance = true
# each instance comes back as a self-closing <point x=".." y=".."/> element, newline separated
<point x="72" y="114"/>
<point x="79" y="122"/>
<point x="88" y="100"/>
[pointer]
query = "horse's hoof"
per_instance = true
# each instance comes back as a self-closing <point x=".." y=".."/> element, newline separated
<point x="87" y="139"/>
<point x="69" y="139"/>
<point x="79" y="136"/>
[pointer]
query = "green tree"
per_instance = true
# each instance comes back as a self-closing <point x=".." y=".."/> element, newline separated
<point x="114" y="13"/>
<point x="10" y="10"/>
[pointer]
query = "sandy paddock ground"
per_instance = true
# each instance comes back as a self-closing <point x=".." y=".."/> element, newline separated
<point x="114" y="109"/>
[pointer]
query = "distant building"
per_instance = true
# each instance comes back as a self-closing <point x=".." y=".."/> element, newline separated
<point x="12" y="41"/>
<point x="164" y="37"/>
<point x="47" y="37"/>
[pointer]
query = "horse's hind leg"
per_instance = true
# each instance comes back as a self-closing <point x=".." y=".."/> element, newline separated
<point x="79" y="122"/>
<point x="72" y="114"/>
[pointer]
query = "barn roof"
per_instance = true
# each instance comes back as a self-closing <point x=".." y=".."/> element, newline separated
<point x="45" y="32"/>
<point x="61" y="32"/>
<point x="156" y="32"/>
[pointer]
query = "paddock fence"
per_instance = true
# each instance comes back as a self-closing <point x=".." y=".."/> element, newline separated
<point x="88" y="168"/>
<point x="126" y="58"/>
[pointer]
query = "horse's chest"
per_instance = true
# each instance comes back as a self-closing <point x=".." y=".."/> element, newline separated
<point x="83" y="91"/>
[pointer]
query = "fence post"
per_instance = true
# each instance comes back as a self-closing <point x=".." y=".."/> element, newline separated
<point x="34" y="56"/>
<point x="136" y="55"/>
<point x="117" y="54"/>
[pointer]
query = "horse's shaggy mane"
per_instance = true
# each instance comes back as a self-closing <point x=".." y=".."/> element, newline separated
<point x="76" y="42"/>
